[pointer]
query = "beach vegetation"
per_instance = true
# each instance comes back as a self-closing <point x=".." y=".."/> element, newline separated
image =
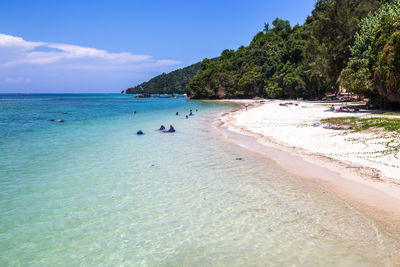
<point x="392" y="113"/>
<point x="366" y="124"/>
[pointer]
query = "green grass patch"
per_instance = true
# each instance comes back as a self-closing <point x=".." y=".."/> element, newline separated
<point x="392" y="113"/>
<point x="364" y="124"/>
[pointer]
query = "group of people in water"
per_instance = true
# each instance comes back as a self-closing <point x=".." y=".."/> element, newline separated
<point x="190" y="114"/>
<point x="187" y="116"/>
<point x="162" y="127"/>
<point x="171" y="129"/>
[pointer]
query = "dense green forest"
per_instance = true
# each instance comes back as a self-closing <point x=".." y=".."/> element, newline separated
<point x="173" y="82"/>
<point x="374" y="66"/>
<point x="353" y="43"/>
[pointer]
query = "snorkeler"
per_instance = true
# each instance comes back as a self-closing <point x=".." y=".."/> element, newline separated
<point x="140" y="132"/>
<point x="162" y="128"/>
<point x="171" y="129"/>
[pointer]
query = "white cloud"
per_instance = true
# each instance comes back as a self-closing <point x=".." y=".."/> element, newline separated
<point x="53" y="67"/>
<point x="17" y="80"/>
<point x="12" y="41"/>
<point x="15" y="51"/>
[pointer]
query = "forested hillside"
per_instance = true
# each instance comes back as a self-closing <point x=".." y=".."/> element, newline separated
<point x="173" y="82"/>
<point x="350" y="43"/>
<point x="374" y="67"/>
<point x="307" y="61"/>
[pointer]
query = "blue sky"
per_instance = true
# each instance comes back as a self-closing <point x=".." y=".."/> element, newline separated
<point x="107" y="46"/>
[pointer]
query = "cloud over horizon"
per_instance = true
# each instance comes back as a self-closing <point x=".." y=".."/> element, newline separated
<point x="24" y="62"/>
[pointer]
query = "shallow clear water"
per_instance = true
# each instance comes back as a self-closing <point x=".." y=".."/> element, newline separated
<point x="91" y="192"/>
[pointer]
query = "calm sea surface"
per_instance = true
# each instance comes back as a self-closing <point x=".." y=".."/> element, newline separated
<point x="88" y="191"/>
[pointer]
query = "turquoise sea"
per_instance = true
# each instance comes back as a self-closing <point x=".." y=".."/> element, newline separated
<point x="90" y="192"/>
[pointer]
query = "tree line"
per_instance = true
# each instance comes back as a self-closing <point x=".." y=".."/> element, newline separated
<point x="350" y="43"/>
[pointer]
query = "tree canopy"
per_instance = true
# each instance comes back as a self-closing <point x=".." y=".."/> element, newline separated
<point x="285" y="61"/>
<point x="374" y="67"/>
<point x="352" y="43"/>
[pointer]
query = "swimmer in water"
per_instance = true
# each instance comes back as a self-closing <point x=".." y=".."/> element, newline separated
<point x="171" y="129"/>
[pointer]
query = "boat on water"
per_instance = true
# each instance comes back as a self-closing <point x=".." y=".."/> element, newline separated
<point x="164" y="96"/>
<point x="144" y="95"/>
<point x="179" y="95"/>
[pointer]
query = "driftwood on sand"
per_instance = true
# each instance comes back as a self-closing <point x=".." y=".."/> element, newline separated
<point x="338" y="127"/>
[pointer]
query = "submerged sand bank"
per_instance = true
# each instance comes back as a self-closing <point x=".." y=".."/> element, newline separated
<point x="345" y="163"/>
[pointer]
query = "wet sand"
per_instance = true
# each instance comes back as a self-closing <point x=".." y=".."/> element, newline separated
<point x="359" y="186"/>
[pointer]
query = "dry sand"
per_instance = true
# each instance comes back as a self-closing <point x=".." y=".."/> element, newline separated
<point x="292" y="126"/>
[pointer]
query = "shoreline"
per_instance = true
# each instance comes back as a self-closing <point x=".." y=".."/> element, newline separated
<point x="363" y="187"/>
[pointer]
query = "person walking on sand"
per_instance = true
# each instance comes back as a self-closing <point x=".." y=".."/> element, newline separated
<point x="246" y="105"/>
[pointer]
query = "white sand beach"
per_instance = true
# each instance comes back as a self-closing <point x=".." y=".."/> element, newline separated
<point x="362" y="168"/>
<point x="296" y="127"/>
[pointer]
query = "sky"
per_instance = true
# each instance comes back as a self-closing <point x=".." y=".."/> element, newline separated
<point x="87" y="46"/>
